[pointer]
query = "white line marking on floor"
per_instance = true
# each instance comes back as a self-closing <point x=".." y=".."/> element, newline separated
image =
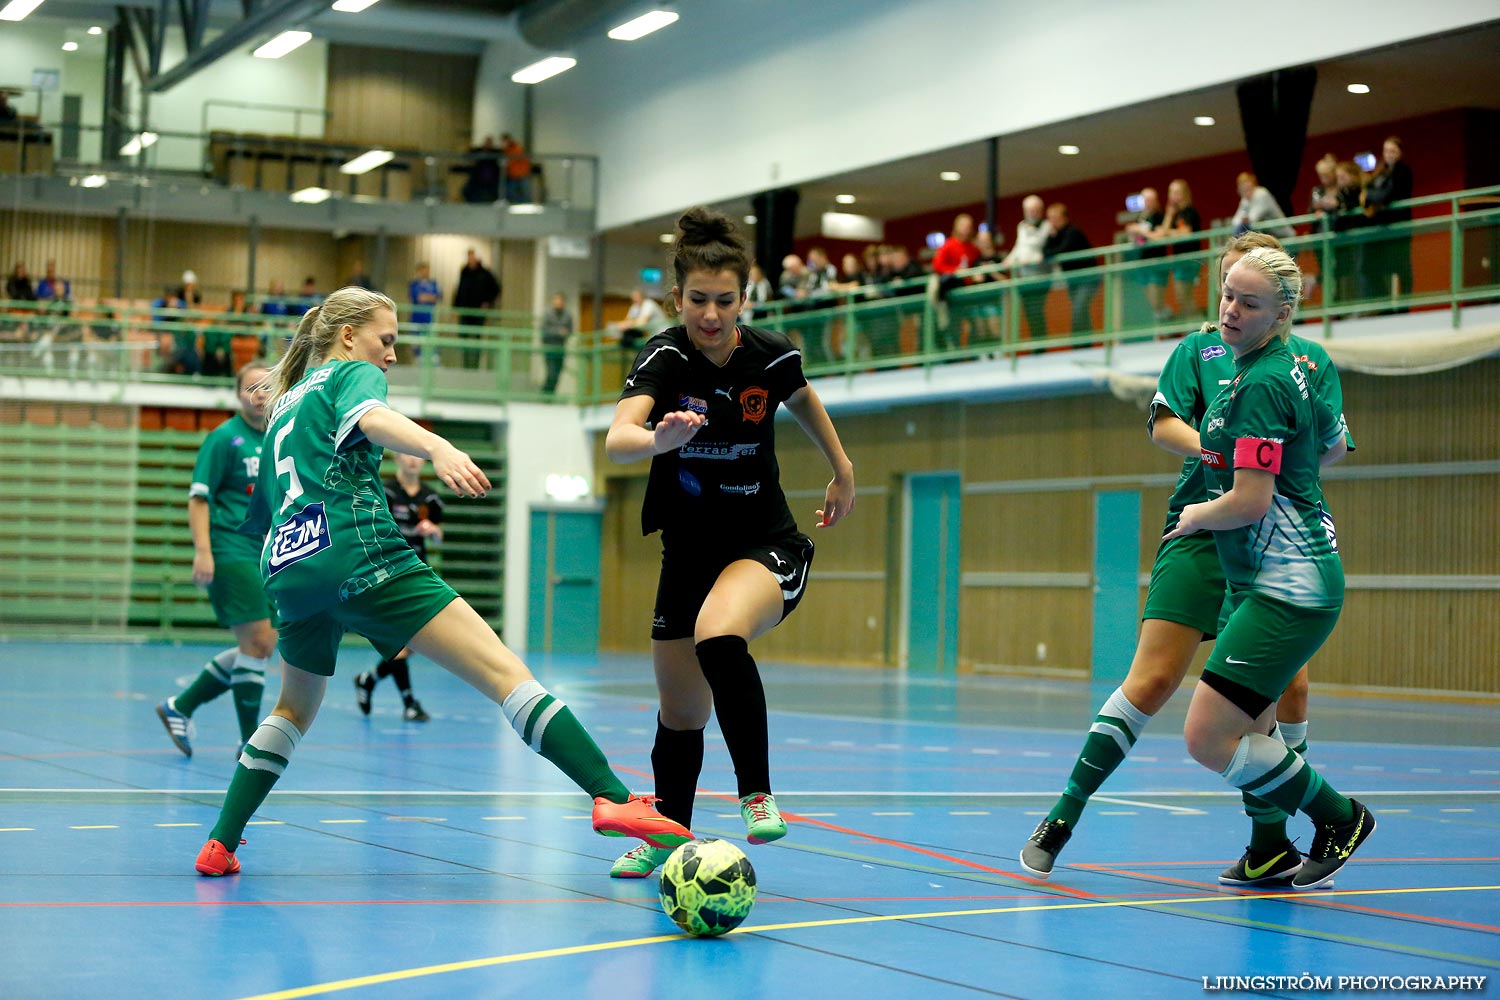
<point x="176" y="824"/>
<point x="898" y="813"/>
<point x="1482" y="771"/>
<point x="1426" y="770"/>
<point x="1144" y="759"/>
<point x="1368" y="767"/>
<point x="1119" y="812"/>
<point x="1035" y="753"/>
<point x="841" y="743"/>
<point x="340" y="821"/>
<point x="1117" y="801"/>
<point x="578" y="817"/>
<point x="265" y="822"/>
<point x="1387" y="812"/>
<point x="501" y="819"/>
<point x="16" y="829"/>
<point x="970" y="812"/>
<point x="100" y="826"/>
<point x="1033" y="812"/>
<point x="990" y="751"/>
<point x="797" y="739"/>
<point x="935" y="749"/>
<point x="727" y="815"/>
<point x="888" y="746"/>
<point x="416" y="819"/>
<point x="1454" y="810"/>
<point x="819" y="815"/>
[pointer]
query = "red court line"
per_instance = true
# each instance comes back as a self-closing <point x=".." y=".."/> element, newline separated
<point x="1110" y="866"/>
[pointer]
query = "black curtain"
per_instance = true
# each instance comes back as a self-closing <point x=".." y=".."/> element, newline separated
<point x="1273" y="113"/>
<point x="775" y="221"/>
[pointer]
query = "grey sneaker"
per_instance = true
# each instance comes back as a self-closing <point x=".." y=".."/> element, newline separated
<point x="1039" y="853"/>
<point x="1332" y="847"/>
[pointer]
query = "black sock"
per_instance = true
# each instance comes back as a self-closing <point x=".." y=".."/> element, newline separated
<point x="740" y="705"/>
<point x="677" y="760"/>
<point x="401" y="674"/>
<point x="383" y="669"/>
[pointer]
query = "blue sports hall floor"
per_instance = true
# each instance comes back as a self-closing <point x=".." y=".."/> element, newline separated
<point x="445" y="860"/>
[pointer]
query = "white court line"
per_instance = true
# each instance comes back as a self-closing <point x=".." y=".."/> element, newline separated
<point x="1115" y="800"/>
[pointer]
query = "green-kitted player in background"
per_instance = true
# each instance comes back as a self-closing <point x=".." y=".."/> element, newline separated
<point x="228" y="564"/>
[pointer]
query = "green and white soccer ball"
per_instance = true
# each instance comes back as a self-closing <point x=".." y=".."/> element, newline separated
<point x="707" y="887"/>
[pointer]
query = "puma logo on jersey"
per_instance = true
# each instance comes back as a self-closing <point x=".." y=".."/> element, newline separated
<point x="780" y="562"/>
<point x="630" y="382"/>
<point x="725" y="393"/>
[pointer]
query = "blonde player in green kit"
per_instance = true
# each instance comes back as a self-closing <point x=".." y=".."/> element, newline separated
<point x="1186" y="601"/>
<point x="1276" y="540"/>
<point x="335" y="561"/>
<point x="228" y="564"/>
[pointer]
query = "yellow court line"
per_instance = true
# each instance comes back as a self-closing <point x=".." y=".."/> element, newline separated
<point x="16" y="829"/>
<point x="584" y="949"/>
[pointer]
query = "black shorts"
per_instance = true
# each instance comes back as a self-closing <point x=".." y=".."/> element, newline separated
<point x="688" y="576"/>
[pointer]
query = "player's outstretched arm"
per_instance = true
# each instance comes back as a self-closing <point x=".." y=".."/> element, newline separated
<point x="386" y="428"/>
<point x="628" y="439"/>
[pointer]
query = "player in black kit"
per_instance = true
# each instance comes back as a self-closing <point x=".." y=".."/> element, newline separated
<point x="701" y="401"/>
<point x="418" y="511"/>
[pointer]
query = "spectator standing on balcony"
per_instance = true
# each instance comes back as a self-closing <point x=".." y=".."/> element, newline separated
<point x="308" y="296"/>
<point x="642" y="320"/>
<point x="1323" y="201"/>
<point x="275" y="303"/>
<point x="190" y="294"/>
<point x="794" y="278"/>
<point x="18" y="287"/>
<point x="1388" y="261"/>
<point x="1142" y="233"/>
<point x="957" y="252"/>
<point x="758" y="292"/>
<point x="54" y="296"/>
<point x="182" y="357"/>
<point x="557" y="326"/>
<point x="53" y="290"/>
<point x="1348" y="215"/>
<point x="1180" y="220"/>
<point x="478" y="288"/>
<point x="517" y="170"/>
<point x="218" y="339"/>
<point x="1025" y="261"/>
<point x="424" y="294"/>
<point x="822" y="270"/>
<point x="1067" y="238"/>
<point x="227" y="564"/>
<point x="1258" y="209"/>
<point x="483" y="185"/>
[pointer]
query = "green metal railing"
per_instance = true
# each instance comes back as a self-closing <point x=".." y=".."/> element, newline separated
<point x="1453" y="245"/>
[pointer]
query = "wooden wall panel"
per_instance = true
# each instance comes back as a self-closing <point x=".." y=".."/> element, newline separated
<point x="385" y="97"/>
<point x="83" y="246"/>
<point x="1397" y="524"/>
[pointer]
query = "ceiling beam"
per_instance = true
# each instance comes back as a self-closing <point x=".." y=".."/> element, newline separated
<point x="268" y="17"/>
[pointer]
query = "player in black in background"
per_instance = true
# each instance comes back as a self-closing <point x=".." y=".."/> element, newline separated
<point x="418" y="511"/>
<point x="701" y="401"/>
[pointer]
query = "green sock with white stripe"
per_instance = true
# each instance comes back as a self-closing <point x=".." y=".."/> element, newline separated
<point x="209" y="684"/>
<point x="1266" y="768"/>
<point x="248" y="681"/>
<point x="1114" y="732"/>
<point x="1267" y="822"/>
<point x="262" y="761"/>
<point x="546" y="725"/>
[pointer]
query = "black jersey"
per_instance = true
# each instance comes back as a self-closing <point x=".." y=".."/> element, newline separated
<point x="726" y="478"/>
<point x="410" y="509"/>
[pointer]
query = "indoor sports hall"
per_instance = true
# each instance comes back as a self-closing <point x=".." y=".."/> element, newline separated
<point x="989" y="234"/>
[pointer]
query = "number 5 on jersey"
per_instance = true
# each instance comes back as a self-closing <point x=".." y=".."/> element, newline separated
<point x="288" y="467"/>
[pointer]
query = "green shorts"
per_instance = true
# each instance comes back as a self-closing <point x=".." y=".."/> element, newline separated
<point x="1187" y="584"/>
<point x="388" y="614"/>
<point x="238" y="594"/>
<point x="1266" y="641"/>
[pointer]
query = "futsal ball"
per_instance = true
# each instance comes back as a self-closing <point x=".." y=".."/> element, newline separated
<point x="707" y="887"/>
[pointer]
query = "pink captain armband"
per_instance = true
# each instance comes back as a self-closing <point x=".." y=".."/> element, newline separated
<point x="1258" y="453"/>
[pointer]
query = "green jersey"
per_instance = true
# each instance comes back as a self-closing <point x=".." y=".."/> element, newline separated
<point x="321" y="505"/>
<point x="1266" y="419"/>
<point x="1201" y="366"/>
<point x="224" y="475"/>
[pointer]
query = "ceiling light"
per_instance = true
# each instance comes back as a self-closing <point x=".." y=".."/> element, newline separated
<point x="367" y="161"/>
<point x="1358" y="88"/>
<point x="148" y="139"/>
<point x="751" y="220"/>
<point x="311" y="195"/>
<point x="844" y="199"/>
<point x="353" y="6"/>
<point x="70" y="46"/>
<point x="96" y="30"/>
<point x="282" y="44"/>
<point x="17" y="9"/>
<point x="1068" y="150"/>
<point x="1205" y="120"/>
<point x="543" y="69"/>
<point x="526" y="208"/>
<point x="666" y="237"/>
<point x="950" y="175"/>
<point x="94" y="181"/>
<point x="640" y="27"/>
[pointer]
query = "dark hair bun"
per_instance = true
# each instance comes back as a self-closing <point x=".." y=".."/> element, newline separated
<point x="699" y="226"/>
